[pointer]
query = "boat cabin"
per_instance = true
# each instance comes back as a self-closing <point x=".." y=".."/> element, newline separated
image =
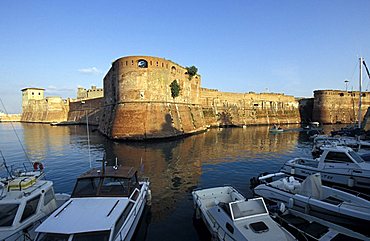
<point x="22" y="201"/>
<point x="109" y="182"/>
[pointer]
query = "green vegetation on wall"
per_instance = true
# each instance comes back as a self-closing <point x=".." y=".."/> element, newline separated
<point x="175" y="89"/>
<point x="192" y="70"/>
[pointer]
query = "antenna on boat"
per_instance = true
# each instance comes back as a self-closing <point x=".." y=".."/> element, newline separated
<point x="360" y="99"/>
<point x="19" y="140"/>
<point x="4" y="163"/>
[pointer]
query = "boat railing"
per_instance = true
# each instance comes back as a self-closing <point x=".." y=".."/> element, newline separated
<point x="136" y="209"/>
<point x="353" y="192"/>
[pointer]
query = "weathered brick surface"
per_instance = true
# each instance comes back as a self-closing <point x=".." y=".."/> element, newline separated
<point x="336" y="106"/>
<point x="138" y="102"/>
<point x="48" y="110"/>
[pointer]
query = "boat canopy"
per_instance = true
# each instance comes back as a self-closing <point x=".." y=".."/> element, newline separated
<point x="83" y="215"/>
<point x="120" y="182"/>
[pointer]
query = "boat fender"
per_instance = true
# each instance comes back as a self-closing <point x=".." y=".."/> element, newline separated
<point x="149" y="197"/>
<point x="290" y="203"/>
<point x="351" y="182"/>
<point x="197" y="213"/>
<point x="38" y="166"/>
<point x="292" y="171"/>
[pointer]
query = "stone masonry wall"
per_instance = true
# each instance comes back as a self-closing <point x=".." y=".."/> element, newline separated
<point x="224" y="108"/>
<point x="336" y="106"/>
<point x="80" y="109"/>
<point x="47" y="110"/>
<point x="138" y="102"/>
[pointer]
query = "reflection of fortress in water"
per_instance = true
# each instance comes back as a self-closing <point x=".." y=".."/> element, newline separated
<point x="175" y="167"/>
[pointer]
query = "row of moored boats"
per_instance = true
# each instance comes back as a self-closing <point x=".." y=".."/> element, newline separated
<point x="322" y="198"/>
<point x="106" y="204"/>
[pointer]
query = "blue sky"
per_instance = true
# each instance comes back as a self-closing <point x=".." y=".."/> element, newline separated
<point x="291" y="47"/>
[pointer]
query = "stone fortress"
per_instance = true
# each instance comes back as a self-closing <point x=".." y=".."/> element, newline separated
<point x="137" y="103"/>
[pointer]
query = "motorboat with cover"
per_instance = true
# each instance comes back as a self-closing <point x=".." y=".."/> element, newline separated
<point x="106" y="204"/>
<point x="320" y="141"/>
<point x="229" y="216"/>
<point x="310" y="228"/>
<point x="338" y="165"/>
<point x="25" y="200"/>
<point x="313" y="198"/>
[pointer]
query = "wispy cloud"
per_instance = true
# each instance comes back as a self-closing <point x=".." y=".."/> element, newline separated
<point x="92" y="70"/>
<point x="52" y="88"/>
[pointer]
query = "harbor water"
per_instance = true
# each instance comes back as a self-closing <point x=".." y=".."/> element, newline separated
<point x="220" y="156"/>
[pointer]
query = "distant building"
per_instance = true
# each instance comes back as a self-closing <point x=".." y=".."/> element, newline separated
<point x="31" y="94"/>
<point x="92" y="93"/>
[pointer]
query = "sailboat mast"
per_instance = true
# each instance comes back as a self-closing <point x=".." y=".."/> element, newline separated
<point x="360" y="98"/>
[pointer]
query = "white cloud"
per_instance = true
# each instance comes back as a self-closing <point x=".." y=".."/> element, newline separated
<point x="92" y="70"/>
<point x="52" y="88"/>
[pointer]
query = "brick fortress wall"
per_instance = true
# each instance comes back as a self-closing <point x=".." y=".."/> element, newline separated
<point x="138" y="102"/>
<point x="336" y="106"/>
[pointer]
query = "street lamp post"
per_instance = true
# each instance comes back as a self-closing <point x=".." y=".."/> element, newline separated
<point x="346" y="82"/>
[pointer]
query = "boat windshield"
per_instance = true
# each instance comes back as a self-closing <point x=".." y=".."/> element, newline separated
<point x="90" y="236"/>
<point x="356" y="157"/>
<point x="249" y="208"/>
<point x="102" y="186"/>
<point x="7" y="214"/>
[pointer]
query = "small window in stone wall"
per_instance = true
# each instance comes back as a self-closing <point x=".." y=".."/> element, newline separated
<point x="255" y="104"/>
<point x="173" y="70"/>
<point x="363" y="95"/>
<point x="341" y="94"/>
<point x="141" y="94"/>
<point x="142" y="63"/>
<point x="33" y="93"/>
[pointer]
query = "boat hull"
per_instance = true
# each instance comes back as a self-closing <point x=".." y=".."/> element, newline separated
<point x="351" y="178"/>
<point x="357" y="220"/>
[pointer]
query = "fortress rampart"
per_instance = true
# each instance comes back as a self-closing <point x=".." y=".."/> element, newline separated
<point x="225" y="108"/>
<point x="336" y="106"/>
<point x="47" y="110"/>
<point x="138" y="103"/>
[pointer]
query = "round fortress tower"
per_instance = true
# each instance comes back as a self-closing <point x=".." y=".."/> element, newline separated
<point x="138" y="102"/>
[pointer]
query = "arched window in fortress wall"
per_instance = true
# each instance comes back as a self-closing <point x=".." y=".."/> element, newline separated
<point x="142" y="63"/>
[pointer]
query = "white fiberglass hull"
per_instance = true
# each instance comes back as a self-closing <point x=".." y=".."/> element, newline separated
<point x="359" y="179"/>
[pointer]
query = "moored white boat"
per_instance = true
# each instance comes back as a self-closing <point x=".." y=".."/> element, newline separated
<point x="106" y="204"/>
<point x="307" y="227"/>
<point x="25" y="200"/>
<point x="338" y="165"/>
<point x="311" y="197"/>
<point x="229" y="216"/>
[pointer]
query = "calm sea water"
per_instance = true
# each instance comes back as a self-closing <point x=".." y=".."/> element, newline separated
<point x="220" y="156"/>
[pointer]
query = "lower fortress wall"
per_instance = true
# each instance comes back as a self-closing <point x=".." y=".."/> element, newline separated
<point x="10" y="117"/>
<point x="48" y="110"/>
<point x="238" y="109"/>
<point x="82" y="110"/>
<point x="147" y="120"/>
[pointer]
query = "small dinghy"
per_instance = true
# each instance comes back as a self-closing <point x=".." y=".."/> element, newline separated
<point x="311" y="197"/>
<point x="229" y="216"/>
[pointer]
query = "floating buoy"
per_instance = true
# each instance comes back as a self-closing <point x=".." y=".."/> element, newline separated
<point x="37" y="166"/>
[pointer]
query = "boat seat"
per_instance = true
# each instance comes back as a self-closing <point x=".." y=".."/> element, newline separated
<point x="291" y="185"/>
